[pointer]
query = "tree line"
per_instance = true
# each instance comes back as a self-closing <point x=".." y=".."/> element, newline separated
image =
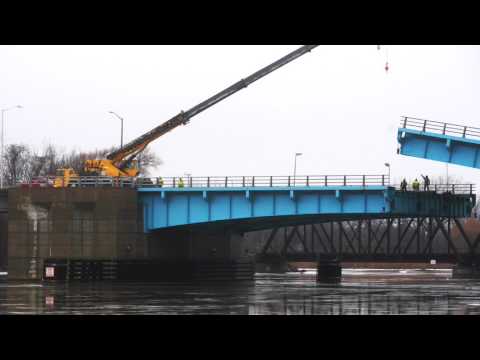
<point x="22" y="163"/>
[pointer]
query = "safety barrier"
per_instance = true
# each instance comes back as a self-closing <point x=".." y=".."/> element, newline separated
<point x="458" y="189"/>
<point x="272" y="181"/>
<point x="245" y="181"/>
<point x="84" y="181"/>
<point x="439" y="127"/>
<point x="216" y="181"/>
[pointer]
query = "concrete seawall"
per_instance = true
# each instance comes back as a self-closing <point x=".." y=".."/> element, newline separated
<point x="91" y="234"/>
<point x="86" y="223"/>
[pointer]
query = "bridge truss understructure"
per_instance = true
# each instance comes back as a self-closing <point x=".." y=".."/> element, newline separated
<point x="416" y="239"/>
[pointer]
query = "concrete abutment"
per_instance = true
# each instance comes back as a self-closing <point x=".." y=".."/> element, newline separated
<point x="97" y="234"/>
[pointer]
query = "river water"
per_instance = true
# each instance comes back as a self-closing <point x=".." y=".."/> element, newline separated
<point x="360" y="292"/>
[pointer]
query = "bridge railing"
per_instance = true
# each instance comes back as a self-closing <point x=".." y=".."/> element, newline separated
<point x="439" y="127"/>
<point x="271" y="181"/>
<point x="243" y="181"/>
<point x="456" y="189"/>
<point x="285" y="181"/>
<point x="82" y="181"/>
<point x="215" y="181"/>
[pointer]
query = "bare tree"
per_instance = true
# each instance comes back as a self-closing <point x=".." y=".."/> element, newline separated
<point x="45" y="162"/>
<point x="17" y="160"/>
<point x="23" y="163"/>
<point x="37" y="165"/>
<point x="148" y="160"/>
<point x="51" y="155"/>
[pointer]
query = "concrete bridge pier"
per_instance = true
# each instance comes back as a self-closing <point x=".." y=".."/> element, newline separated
<point x="468" y="270"/>
<point x="210" y="255"/>
<point x="329" y="270"/>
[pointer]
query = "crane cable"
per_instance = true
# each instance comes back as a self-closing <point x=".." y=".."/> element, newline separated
<point x="386" y="60"/>
<point x="387" y="67"/>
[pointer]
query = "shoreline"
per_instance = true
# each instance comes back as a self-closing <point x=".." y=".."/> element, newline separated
<point x="376" y="265"/>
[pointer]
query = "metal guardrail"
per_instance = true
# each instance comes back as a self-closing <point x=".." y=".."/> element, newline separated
<point x="245" y="181"/>
<point x="439" y="127"/>
<point x="277" y="181"/>
<point x="217" y="181"/>
<point x="456" y="189"/>
<point x="83" y="181"/>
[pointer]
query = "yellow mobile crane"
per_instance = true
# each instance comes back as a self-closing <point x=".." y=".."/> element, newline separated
<point x="122" y="162"/>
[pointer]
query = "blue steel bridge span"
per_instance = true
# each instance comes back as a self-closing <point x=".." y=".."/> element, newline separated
<point x="439" y="141"/>
<point x="256" y="203"/>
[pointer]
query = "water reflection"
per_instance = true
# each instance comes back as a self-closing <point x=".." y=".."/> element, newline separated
<point x="359" y="293"/>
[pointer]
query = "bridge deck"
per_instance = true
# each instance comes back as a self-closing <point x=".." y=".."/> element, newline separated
<point x="449" y="143"/>
<point x="258" y="207"/>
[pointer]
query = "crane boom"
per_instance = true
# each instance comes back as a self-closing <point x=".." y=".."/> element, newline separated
<point x="136" y="146"/>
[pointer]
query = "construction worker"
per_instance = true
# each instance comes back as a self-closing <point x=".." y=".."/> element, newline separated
<point x="403" y="185"/>
<point x="426" y="183"/>
<point x="415" y="185"/>
<point x="180" y="183"/>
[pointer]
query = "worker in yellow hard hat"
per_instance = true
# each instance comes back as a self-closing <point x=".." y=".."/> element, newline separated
<point x="160" y="181"/>
<point x="415" y="185"/>
<point x="180" y="183"/>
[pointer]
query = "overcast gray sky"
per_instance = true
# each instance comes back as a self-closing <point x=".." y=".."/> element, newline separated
<point x="336" y="105"/>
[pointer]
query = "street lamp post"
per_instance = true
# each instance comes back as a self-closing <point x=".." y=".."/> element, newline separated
<point x="189" y="178"/>
<point x="295" y="167"/>
<point x="2" y="162"/>
<point x="388" y="166"/>
<point x="121" y="130"/>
